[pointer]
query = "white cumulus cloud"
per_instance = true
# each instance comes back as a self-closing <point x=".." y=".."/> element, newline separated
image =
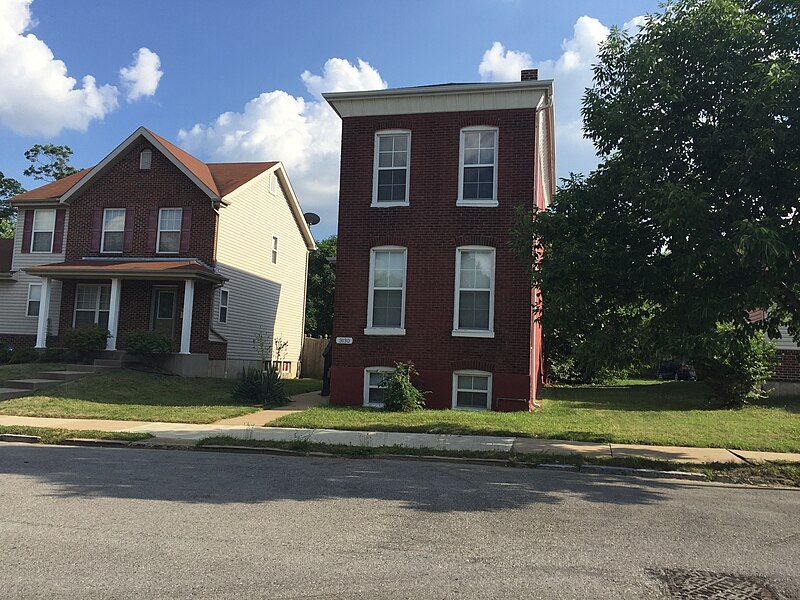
<point x="500" y="64"/>
<point x="302" y="133"/>
<point x="142" y="76"/>
<point x="36" y="94"/>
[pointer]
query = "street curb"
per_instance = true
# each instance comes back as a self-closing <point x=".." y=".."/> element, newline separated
<point x="95" y="442"/>
<point x="18" y="437"/>
<point x="650" y="473"/>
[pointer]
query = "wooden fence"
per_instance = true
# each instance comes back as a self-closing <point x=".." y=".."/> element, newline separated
<point x="312" y="364"/>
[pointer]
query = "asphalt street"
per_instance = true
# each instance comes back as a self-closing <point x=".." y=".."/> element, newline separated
<point x="123" y="523"/>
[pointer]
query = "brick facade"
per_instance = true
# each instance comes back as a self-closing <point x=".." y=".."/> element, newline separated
<point x="431" y="229"/>
<point x="788" y="365"/>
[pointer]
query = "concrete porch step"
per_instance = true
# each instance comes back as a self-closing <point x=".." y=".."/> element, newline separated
<point x="63" y="375"/>
<point x="33" y="383"/>
<point x="87" y="369"/>
<point x="9" y="393"/>
<point x="107" y="362"/>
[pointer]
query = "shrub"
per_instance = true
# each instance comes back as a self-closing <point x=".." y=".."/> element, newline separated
<point x="51" y="355"/>
<point x="5" y="353"/>
<point x="265" y="387"/>
<point x="401" y="395"/>
<point x="736" y="365"/>
<point x="144" y="343"/>
<point x="84" y="341"/>
<point x="23" y="355"/>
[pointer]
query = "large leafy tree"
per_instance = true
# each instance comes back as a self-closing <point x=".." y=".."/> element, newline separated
<point x="321" y="284"/>
<point x="692" y="218"/>
<point x="49" y="162"/>
<point x="8" y="187"/>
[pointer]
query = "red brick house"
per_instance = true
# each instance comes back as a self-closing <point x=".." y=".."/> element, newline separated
<point x="430" y="179"/>
<point x="152" y="238"/>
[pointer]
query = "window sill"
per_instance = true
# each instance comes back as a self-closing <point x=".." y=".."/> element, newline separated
<point x="116" y="252"/>
<point x="374" y="405"/>
<point x="376" y="204"/>
<point x="472" y="333"/>
<point x="472" y="408"/>
<point x="478" y="203"/>
<point x="384" y="331"/>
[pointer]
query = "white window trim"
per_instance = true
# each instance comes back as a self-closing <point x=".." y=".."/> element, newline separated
<point x="460" y="201"/>
<point x="476" y="333"/>
<point x="34" y="231"/>
<point x="96" y="304"/>
<point x="370" y="330"/>
<point x="149" y="153"/>
<point x="454" y="405"/>
<point x="226" y="306"/>
<point x="375" y="168"/>
<point x="158" y="236"/>
<point x="367" y="371"/>
<point x="28" y="301"/>
<point x="103" y="234"/>
<point x="274" y="252"/>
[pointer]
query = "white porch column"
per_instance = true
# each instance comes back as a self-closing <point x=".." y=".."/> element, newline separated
<point x="186" y="323"/>
<point x="44" y="312"/>
<point x="113" y="314"/>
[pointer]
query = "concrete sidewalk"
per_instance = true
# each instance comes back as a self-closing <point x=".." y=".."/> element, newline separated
<point x="190" y="433"/>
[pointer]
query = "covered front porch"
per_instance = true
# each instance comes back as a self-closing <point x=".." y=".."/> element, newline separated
<point x="173" y="297"/>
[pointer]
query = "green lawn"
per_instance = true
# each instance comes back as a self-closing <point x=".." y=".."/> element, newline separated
<point x="135" y="396"/>
<point x="634" y="411"/>
<point x="28" y="370"/>
<point x="56" y="436"/>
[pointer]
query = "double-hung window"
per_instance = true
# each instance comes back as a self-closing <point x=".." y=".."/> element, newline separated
<point x="169" y="230"/>
<point x="44" y="225"/>
<point x="92" y="303"/>
<point x="477" y="178"/>
<point x="391" y="173"/>
<point x="223" y="306"/>
<point x="113" y="230"/>
<point x="472" y="390"/>
<point x="373" y="389"/>
<point x="387" y="291"/>
<point x="34" y="299"/>
<point x="274" y="249"/>
<point x="473" y="315"/>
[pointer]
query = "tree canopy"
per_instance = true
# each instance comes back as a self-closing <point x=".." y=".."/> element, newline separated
<point x="49" y="162"/>
<point x="321" y="284"/>
<point x="8" y="187"/>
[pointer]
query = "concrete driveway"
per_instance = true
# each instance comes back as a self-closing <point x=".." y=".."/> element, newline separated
<point x="112" y="523"/>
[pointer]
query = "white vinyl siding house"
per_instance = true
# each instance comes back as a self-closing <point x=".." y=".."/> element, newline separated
<point x="265" y="295"/>
<point x="14" y="319"/>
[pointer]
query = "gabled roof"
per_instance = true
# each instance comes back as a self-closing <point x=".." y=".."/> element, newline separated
<point x="53" y="189"/>
<point x="198" y="168"/>
<point x="229" y="176"/>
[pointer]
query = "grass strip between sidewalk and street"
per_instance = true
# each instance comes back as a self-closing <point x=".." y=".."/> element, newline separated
<point x="56" y="436"/>
<point x="773" y="473"/>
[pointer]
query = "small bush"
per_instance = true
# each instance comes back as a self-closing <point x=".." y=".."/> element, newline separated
<point x="5" y="353"/>
<point x="84" y="341"/>
<point x="23" y="355"/>
<point x="144" y="343"/>
<point x="51" y="355"/>
<point x="401" y="395"/>
<point x="737" y="365"/>
<point x="264" y="387"/>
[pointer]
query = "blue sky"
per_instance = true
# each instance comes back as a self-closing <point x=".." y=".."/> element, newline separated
<point x="207" y="58"/>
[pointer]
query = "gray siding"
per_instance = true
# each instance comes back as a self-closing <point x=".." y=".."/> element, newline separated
<point x="14" y="293"/>
<point x="786" y="342"/>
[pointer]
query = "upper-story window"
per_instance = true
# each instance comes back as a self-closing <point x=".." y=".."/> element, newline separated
<point x="273" y="183"/>
<point x="391" y="175"/>
<point x="145" y="160"/>
<point x="169" y="230"/>
<point x="34" y="299"/>
<point x="44" y="225"/>
<point x="274" y="249"/>
<point x="113" y="230"/>
<point x="477" y="178"/>
<point x="387" y="291"/>
<point x="473" y="315"/>
<point x="224" y="296"/>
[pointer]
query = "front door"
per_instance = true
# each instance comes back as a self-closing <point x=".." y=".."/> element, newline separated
<point x="164" y="311"/>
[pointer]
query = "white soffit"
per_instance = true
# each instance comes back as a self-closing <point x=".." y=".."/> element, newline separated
<point x="441" y="98"/>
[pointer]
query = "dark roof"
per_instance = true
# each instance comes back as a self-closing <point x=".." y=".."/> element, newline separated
<point x="131" y="268"/>
<point x="220" y="178"/>
<point x="6" y="254"/>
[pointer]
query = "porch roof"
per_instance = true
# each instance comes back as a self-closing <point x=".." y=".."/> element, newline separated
<point x="128" y="269"/>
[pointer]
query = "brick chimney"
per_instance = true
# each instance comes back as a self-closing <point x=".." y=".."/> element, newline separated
<point x="529" y="75"/>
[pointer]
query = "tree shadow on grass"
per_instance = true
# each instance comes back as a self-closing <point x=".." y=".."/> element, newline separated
<point x="228" y="478"/>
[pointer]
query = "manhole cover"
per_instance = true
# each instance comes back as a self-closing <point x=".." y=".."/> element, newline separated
<point x="704" y="585"/>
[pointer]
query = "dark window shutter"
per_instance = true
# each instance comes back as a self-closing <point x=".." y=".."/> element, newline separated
<point x="186" y="229"/>
<point x="127" y="244"/>
<point x="97" y="229"/>
<point x="58" y="232"/>
<point x="27" y="231"/>
<point x="152" y="230"/>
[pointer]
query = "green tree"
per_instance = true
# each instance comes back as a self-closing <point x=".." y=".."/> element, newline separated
<point x="49" y="162"/>
<point x="8" y="187"/>
<point x="692" y="219"/>
<point x="321" y="284"/>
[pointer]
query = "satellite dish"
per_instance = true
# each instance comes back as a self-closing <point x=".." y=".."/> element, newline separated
<point x="311" y="218"/>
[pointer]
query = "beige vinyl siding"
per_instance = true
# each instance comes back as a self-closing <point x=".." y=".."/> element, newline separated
<point x="263" y="297"/>
<point x="14" y="293"/>
<point x="786" y="342"/>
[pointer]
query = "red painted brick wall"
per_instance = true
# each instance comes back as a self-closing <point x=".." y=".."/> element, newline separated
<point x="431" y="228"/>
<point x="788" y="365"/>
<point x="124" y="185"/>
